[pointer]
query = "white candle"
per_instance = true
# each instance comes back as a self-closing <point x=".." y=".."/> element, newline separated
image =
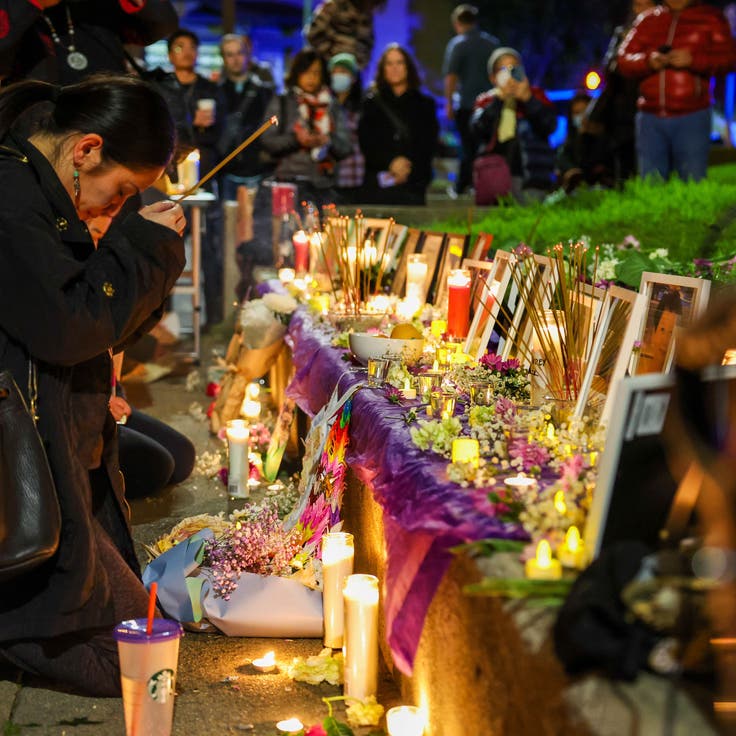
<point x="408" y="392"/>
<point x="237" y="448"/>
<point x="520" y="482"/>
<point x="416" y="276"/>
<point x="543" y="566"/>
<point x="405" y="720"/>
<point x="287" y="275"/>
<point x="188" y="170"/>
<point x="360" y="597"/>
<point x="266" y="663"/>
<point x="338" y="554"/>
<point x="251" y="409"/>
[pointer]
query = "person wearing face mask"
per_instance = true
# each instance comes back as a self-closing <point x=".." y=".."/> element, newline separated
<point x="515" y="119"/>
<point x="673" y="51"/>
<point x="345" y="85"/>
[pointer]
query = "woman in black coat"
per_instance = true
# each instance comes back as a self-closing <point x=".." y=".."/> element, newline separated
<point x="397" y="132"/>
<point x="63" y="304"/>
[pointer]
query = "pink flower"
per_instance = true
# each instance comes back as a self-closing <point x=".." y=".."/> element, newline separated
<point x="316" y="730"/>
<point x="223" y="474"/>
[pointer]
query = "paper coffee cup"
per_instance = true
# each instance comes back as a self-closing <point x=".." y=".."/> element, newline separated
<point x="206" y="104"/>
<point x="148" y="674"/>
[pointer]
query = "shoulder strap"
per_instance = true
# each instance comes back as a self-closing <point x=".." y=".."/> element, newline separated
<point x="399" y="125"/>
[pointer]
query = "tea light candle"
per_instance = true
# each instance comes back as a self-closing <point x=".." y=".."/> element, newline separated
<point x="466" y="450"/>
<point x="251" y="409"/>
<point x="338" y="553"/>
<point x="405" y="720"/>
<point x="438" y="327"/>
<point x="543" y="566"/>
<point x="416" y="276"/>
<point x="286" y="275"/>
<point x="458" y="302"/>
<point x="360" y="596"/>
<point x="571" y="553"/>
<point x="520" y="482"/>
<point x="188" y="170"/>
<point x="266" y="663"/>
<point x="301" y="251"/>
<point x="237" y="447"/>
<point x="291" y="725"/>
<point x="408" y="392"/>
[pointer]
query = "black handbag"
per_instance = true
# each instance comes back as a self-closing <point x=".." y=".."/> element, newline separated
<point x="30" y="519"/>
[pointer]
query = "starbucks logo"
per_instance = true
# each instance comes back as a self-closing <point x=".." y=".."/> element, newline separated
<point x="161" y="686"/>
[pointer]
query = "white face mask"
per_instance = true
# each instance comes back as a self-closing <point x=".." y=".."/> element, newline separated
<point x="340" y="82"/>
<point x="502" y="77"/>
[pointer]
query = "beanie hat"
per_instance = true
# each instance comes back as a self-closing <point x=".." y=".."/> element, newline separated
<point x="498" y="53"/>
<point x="344" y="59"/>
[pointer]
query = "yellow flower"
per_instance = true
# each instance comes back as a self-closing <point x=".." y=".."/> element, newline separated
<point x="364" y="712"/>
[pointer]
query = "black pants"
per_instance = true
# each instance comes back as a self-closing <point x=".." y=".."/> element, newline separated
<point x="467" y="150"/>
<point x="152" y="455"/>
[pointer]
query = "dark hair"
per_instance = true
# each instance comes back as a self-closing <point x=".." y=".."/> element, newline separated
<point x="302" y="60"/>
<point x="182" y="33"/>
<point x="465" y="14"/>
<point x="412" y="73"/>
<point x="115" y="107"/>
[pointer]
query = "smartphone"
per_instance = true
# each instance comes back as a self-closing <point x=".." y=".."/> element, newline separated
<point x="518" y="73"/>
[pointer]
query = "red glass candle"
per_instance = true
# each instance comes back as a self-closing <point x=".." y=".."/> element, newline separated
<point x="458" y="302"/>
<point x="301" y="251"/>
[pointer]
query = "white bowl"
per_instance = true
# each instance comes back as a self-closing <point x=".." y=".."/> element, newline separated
<point x="364" y="346"/>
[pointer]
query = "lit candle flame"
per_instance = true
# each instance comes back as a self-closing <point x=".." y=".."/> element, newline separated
<point x="560" y="504"/>
<point x="544" y="554"/>
<point x="572" y="539"/>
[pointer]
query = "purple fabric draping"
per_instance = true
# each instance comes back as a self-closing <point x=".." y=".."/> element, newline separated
<point x="424" y="514"/>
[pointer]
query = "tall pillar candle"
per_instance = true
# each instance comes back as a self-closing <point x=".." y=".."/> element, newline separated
<point x="237" y="448"/>
<point x="458" y="302"/>
<point x="416" y="276"/>
<point x="360" y="597"/>
<point x="301" y="251"/>
<point x="338" y="554"/>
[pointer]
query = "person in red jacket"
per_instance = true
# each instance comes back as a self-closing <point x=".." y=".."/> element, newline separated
<point x="674" y="50"/>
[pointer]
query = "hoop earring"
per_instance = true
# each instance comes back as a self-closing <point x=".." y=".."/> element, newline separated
<point x="77" y="187"/>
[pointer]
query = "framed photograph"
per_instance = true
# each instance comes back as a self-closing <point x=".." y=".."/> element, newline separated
<point x="481" y="248"/>
<point x="534" y="281"/>
<point x="432" y="245"/>
<point x="673" y="302"/>
<point x="646" y="482"/>
<point x="396" y="237"/>
<point x="480" y="302"/>
<point x="618" y="308"/>
<point x="494" y="307"/>
<point x="452" y="257"/>
<point x="411" y="241"/>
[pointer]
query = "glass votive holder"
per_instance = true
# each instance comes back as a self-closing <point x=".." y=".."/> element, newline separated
<point x="442" y="404"/>
<point x="428" y="382"/>
<point x="405" y="720"/>
<point x="377" y="371"/>
<point x="482" y="394"/>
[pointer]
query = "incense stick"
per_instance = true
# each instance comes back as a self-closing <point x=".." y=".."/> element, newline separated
<point x="273" y="120"/>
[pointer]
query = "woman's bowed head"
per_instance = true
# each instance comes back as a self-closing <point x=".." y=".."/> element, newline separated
<point x="90" y="133"/>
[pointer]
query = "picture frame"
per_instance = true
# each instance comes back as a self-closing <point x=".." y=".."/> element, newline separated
<point x="481" y="248"/>
<point x="452" y="257"/>
<point x="411" y="241"/>
<point x="673" y="302"/>
<point x="432" y="245"/>
<point x="480" y="305"/>
<point x="497" y="308"/>
<point x="619" y="306"/>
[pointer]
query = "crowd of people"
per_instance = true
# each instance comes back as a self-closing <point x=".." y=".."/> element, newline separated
<point x="85" y="268"/>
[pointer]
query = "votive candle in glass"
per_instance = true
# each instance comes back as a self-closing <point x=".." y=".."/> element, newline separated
<point x="286" y="275"/>
<point x="360" y="597"/>
<point x="416" y="276"/>
<point x="405" y="720"/>
<point x="338" y="553"/>
<point x="187" y="171"/>
<point x="236" y="431"/>
<point x="466" y="450"/>
<point x="458" y="302"/>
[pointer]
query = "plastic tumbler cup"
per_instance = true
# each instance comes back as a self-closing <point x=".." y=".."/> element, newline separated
<point x="148" y="674"/>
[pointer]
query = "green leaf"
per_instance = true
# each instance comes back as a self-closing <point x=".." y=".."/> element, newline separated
<point x="336" y="728"/>
<point x="520" y="588"/>
<point x="630" y="269"/>
<point x="488" y="547"/>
